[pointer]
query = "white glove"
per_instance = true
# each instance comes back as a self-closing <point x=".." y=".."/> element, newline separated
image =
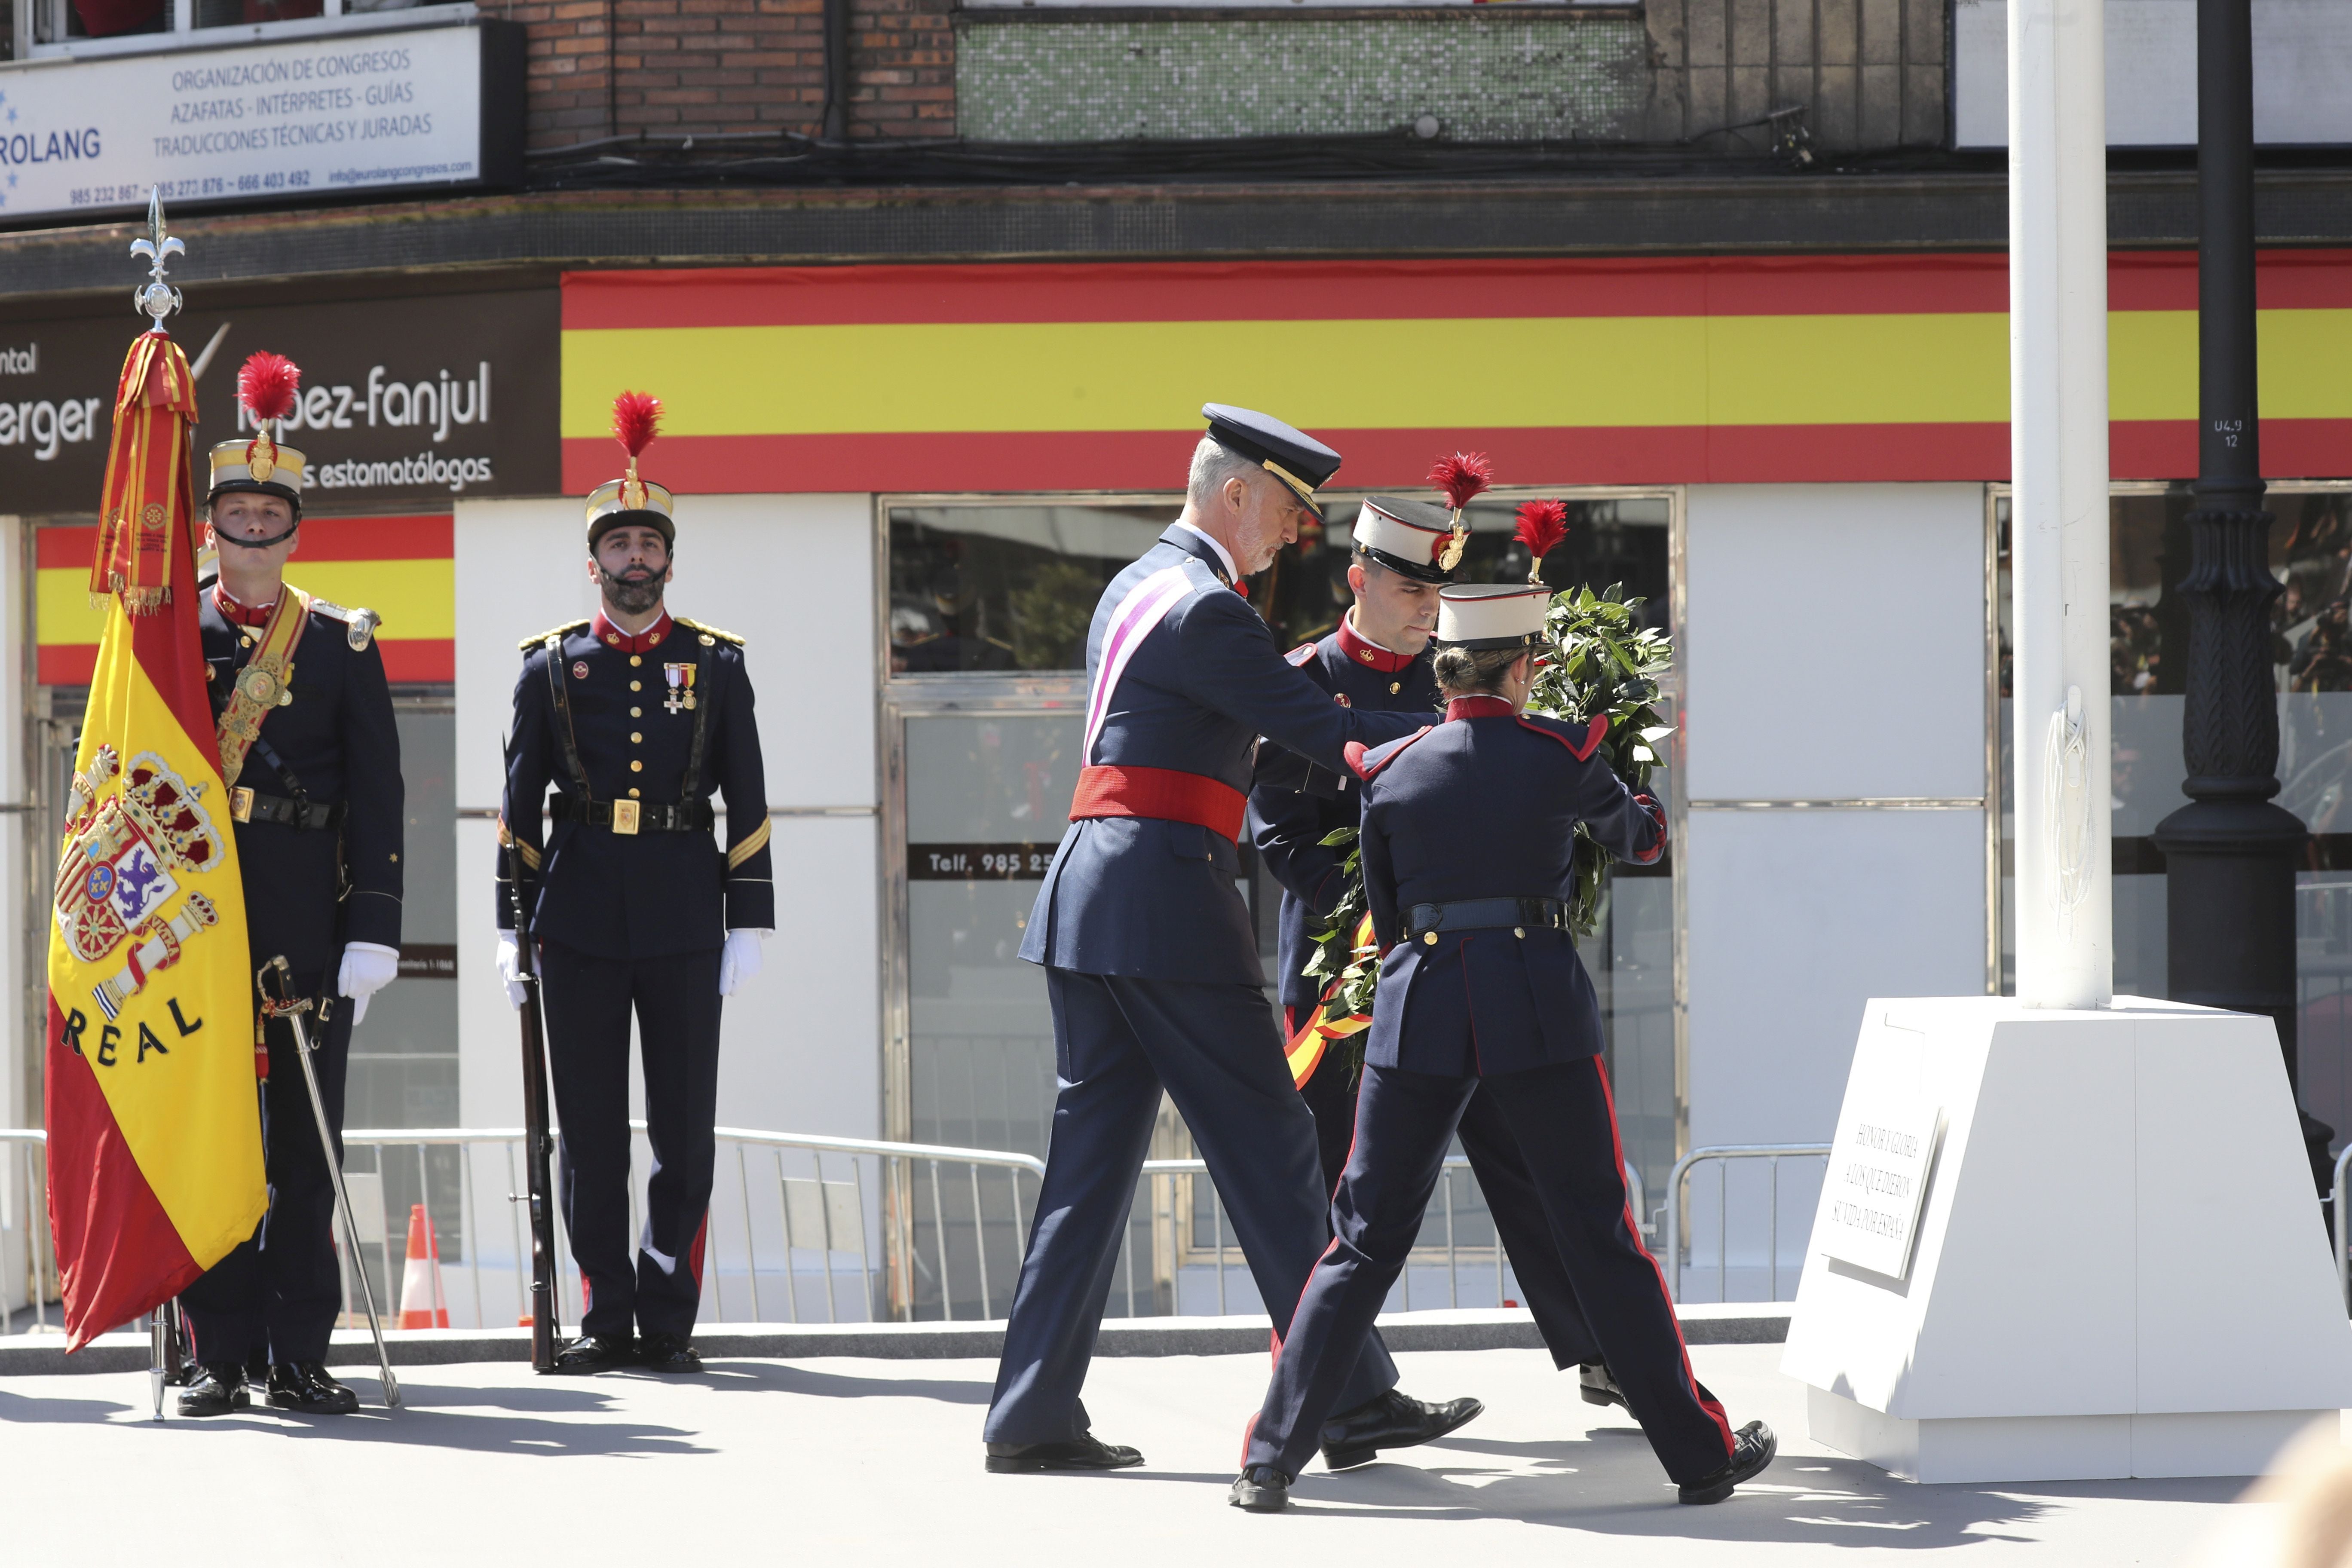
<point x="738" y="960"/>
<point x="510" y="971"/>
<point x="368" y="967"/>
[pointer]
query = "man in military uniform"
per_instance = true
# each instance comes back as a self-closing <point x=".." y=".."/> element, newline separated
<point x="1377" y="659"/>
<point x="311" y="755"/>
<point x="1151" y="964"/>
<point x="634" y="718"/>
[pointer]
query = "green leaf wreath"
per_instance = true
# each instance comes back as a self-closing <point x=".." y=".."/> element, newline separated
<point x="1599" y="660"/>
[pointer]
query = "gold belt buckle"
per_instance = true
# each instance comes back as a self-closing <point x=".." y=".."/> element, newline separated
<point x="240" y="804"/>
<point x="624" y="816"/>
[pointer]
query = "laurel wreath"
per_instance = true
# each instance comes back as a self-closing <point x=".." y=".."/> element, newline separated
<point x="1599" y="659"/>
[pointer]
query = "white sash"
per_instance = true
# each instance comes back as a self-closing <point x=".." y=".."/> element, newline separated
<point x="1137" y="614"/>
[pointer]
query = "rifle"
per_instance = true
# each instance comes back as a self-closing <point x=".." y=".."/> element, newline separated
<point x="538" y="1144"/>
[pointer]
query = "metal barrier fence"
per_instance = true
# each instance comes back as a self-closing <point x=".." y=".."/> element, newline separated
<point x="24" y="1179"/>
<point x="1721" y="1156"/>
<point x="2336" y="1208"/>
<point x="884" y="1230"/>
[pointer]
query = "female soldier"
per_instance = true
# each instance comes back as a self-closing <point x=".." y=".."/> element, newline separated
<point x="1469" y="837"/>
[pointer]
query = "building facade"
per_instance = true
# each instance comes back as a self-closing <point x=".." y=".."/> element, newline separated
<point x="932" y="297"/>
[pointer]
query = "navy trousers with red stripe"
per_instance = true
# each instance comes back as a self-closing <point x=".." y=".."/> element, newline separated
<point x="1566" y="1128"/>
<point x="589" y="1003"/>
<point x="1118" y="1042"/>
<point x="1510" y="1195"/>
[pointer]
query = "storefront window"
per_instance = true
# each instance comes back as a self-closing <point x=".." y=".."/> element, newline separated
<point x="980" y="589"/>
<point x="2311" y="655"/>
<point x="989" y="587"/>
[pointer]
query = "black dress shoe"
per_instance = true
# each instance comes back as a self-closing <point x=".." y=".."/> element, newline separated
<point x="1752" y="1448"/>
<point x="308" y="1386"/>
<point x="217" y="1390"/>
<point x="1392" y="1421"/>
<point x="596" y="1353"/>
<point x="1596" y="1384"/>
<point x="669" y="1352"/>
<point x="1077" y="1454"/>
<point x="1261" y="1489"/>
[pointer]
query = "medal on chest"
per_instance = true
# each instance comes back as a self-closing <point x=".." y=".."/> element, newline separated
<point x="679" y="678"/>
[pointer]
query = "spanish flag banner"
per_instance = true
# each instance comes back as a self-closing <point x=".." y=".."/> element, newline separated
<point x="154" y="1129"/>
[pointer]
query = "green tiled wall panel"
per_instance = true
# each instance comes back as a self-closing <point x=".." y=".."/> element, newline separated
<point x="1487" y="76"/>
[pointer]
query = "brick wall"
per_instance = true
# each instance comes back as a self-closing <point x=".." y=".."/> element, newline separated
<point x="1863" y="74"/>
<point x="1867" y="74"/>
<point x="678" y="68"/>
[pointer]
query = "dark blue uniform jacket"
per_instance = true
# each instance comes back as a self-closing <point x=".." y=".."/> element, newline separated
<point x="1486" y="809"/>
<point x="309" y="890"/>
<point x="643" y="895"/>
<point x="1141" y="896"/>
<point x="1289" y="825"/>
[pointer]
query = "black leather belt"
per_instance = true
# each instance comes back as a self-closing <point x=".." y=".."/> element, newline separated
<point x="1423" y="921"/>
<point x="252" y="805"/>
<point x="627" y="816"/>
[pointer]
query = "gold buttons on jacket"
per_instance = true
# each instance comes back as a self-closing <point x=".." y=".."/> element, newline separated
<point x="1429" y="937"/>
<point x="1519" y="932"/>
<point x="635" y="660"/>
<point x="633" y="794"/>
<point x="637" y="712"/>
<point x="636" y="686"/>
<point x="1395" y="687"/>
<point x="636" y="767"/>
<point x="636" y="738"/>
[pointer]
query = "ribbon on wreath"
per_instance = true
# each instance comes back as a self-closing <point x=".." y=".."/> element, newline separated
<point x="1305" y="1048"/>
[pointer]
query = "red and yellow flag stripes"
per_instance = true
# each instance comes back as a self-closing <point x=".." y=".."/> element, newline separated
<point x="1304" y="1049"/>
<point x="401" y="567"/>
<point x="154" y="1129"/>
<point x="1018" y="376"/>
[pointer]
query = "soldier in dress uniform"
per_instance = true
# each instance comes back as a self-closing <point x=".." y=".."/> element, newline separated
<point x="635" y="718"/>
<point x="1469" y="845"/>
<point x="1152" y="965"/>
<point x="311" y="755"/>
<point x="1378" y="659"/>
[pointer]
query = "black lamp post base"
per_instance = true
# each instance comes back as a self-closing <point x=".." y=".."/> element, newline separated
<point x="2230" y="865"/>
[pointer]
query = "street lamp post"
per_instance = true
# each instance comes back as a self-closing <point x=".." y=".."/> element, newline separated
<point x="2231" y="853"/>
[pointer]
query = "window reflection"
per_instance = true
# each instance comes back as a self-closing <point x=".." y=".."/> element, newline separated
<point x="2311" y="656"/>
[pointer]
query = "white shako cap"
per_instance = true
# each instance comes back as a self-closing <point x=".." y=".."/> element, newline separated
<point x="1491" y="615"/>
<point x="1408" y="537"/>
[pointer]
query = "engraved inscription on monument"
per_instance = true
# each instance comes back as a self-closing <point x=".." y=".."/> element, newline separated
<point x="1878" y="1181"/>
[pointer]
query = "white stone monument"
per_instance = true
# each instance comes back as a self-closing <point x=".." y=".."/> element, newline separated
<point x="2067" y="1236"/>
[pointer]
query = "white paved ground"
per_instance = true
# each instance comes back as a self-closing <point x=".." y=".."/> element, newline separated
<point x="852" y="1462"/>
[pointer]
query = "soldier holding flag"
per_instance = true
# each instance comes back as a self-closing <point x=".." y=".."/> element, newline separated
<point x="155" y="1143"/>
<point x="311" y="756"/>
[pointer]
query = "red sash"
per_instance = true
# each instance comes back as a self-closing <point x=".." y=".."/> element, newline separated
<point x="1163" y="793"/>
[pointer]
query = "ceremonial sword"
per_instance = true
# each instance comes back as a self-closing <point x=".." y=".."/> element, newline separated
<point x="277" y="1001"/>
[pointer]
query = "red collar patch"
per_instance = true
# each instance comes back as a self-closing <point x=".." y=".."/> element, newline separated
<point x="237" y="612"/>
<point x="645" y="641"/>
<point x="1481" y="705"/>
<point x="1370" y="655"/>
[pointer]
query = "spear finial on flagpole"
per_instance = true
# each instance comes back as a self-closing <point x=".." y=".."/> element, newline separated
<point x="158" y="299"/>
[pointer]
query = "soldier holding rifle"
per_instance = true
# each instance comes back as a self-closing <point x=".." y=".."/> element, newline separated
<point x="635" y="719"/>
<point x="311" y="755"/>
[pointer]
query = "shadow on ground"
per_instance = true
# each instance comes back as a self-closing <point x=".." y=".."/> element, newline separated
<point x="554" y="1419"/>
<point x="1610" y="1483"/>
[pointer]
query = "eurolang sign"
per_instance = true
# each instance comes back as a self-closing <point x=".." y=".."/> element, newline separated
<point x="420" y="398"/>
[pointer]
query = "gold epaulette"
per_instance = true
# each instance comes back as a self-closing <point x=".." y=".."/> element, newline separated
<point x="565" y="630"/>
<point x="709" y="631"/>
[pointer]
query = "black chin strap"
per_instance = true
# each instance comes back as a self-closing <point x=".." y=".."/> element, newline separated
<point x="244" y="544"/>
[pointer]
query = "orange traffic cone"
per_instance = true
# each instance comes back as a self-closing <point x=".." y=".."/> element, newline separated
<point x="422" y="1305"/>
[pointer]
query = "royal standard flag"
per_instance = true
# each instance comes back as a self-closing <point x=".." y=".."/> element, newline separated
<point x="154" y="1129"/>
